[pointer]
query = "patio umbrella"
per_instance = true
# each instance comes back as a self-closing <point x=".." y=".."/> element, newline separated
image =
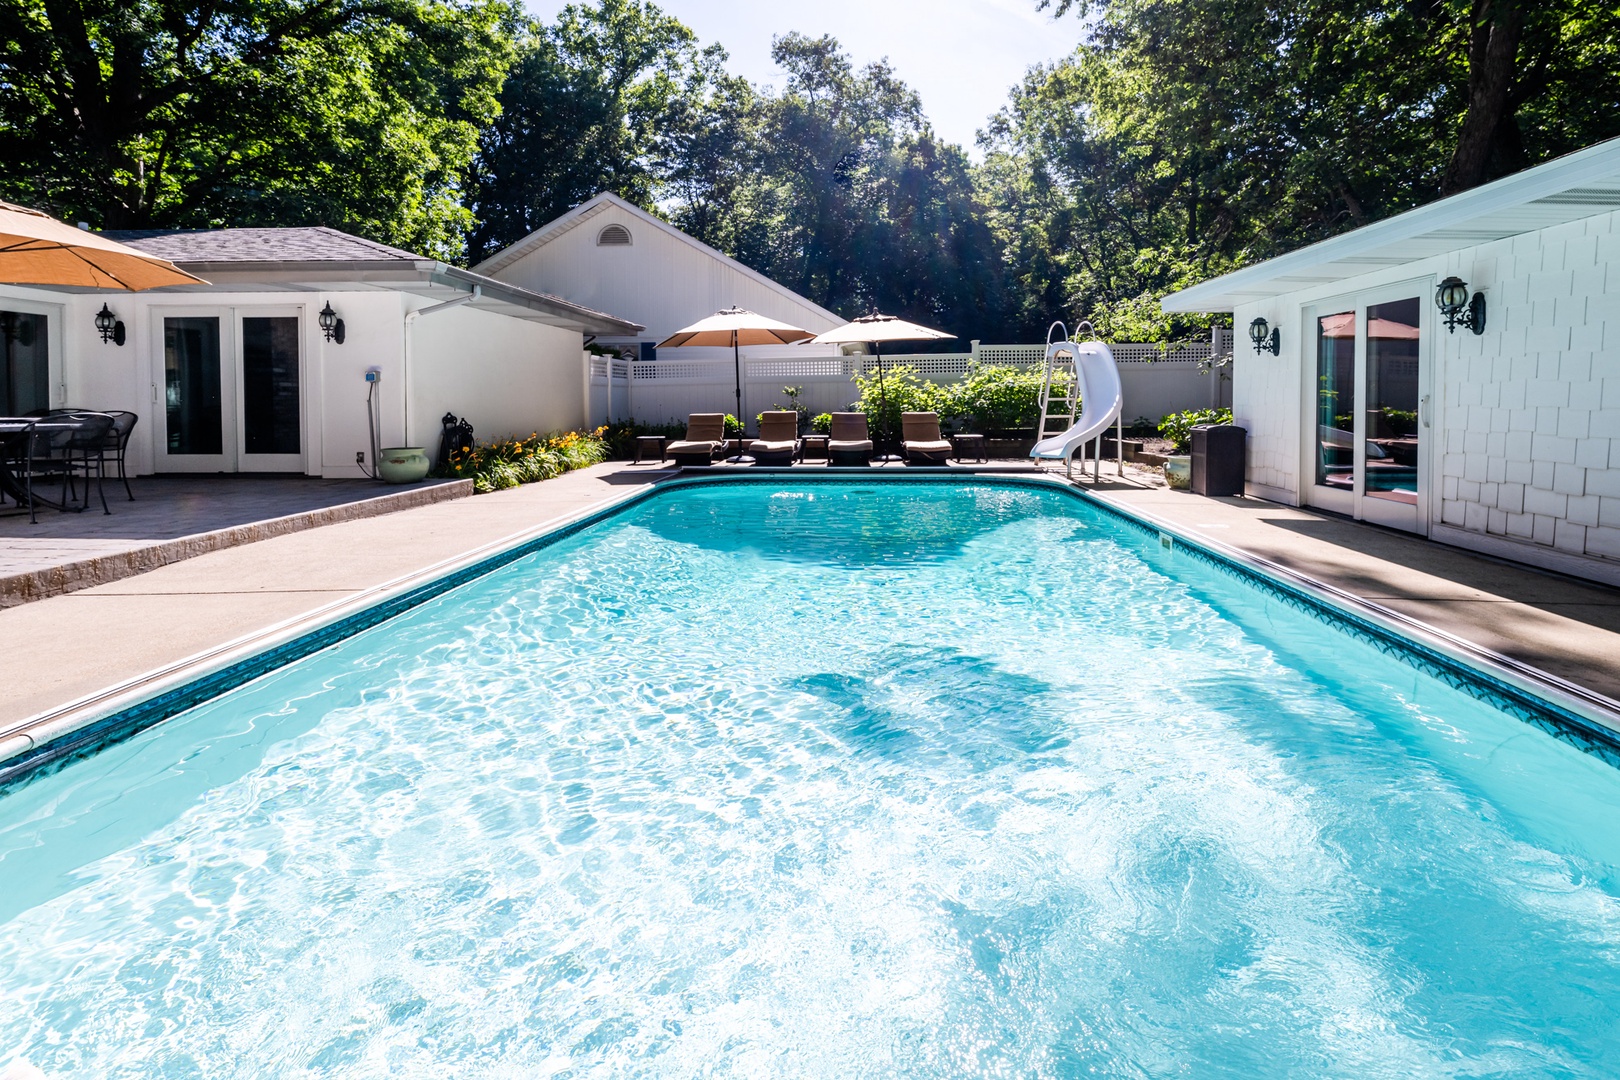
<point x="736" y="327"/>
<point x="36" y="249"/>
<point x="874" y="329"/>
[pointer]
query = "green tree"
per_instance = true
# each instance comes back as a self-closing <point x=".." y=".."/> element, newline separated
<point x="360" y="114"/>
<point x="598" y="101"/>
<point x="837" y="187"/>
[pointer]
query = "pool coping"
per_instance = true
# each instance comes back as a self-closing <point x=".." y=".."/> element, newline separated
<point x="78" y="728"/>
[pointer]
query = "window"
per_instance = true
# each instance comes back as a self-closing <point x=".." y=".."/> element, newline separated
<point x="613" y="236"/>
<point x="24" y="369"/>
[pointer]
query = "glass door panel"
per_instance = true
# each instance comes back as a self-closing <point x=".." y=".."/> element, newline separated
<point x="196" y="424"/>
<point x="25" y="377"/>
<point x="192" y="386"/>
<point x="1392" y="402"/>
<point x="271" y="427"/>
<point x="1336" y="402"/>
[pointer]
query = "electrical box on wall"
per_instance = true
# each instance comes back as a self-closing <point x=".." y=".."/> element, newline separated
<point x="373" y="374"/>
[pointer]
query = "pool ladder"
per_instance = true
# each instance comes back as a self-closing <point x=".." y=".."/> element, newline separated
<point x="1060" y="387"/>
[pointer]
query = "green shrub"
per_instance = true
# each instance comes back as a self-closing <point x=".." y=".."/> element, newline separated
<point x="1177" y="427"/>
<point x="998" y="400"/>
<point x="903" y="391"/>
<point x="821" y="423"/>
<point x="506" y="463"/>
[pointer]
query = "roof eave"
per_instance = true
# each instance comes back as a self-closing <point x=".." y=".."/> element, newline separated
<point x="1291" y="271"/>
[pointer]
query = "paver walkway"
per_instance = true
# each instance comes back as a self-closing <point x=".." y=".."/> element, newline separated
<point x="167" y="508"/>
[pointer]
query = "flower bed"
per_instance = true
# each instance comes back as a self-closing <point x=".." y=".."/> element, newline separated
<point x="506" y="463"/>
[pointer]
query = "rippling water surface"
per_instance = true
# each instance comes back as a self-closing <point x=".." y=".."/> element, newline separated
<point x="825" y="781"/>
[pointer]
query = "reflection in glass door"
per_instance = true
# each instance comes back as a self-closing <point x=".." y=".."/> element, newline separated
<point x="1392" y="402"/>
<point x="194" y="388"/>
<point x="1368" y="409"/>
<point x="25" y="374"/>
<point x="271" y="432"/>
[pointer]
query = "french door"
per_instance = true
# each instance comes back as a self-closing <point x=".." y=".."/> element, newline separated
<point x="229" y="392"/>
<point x="1369" y="407"/>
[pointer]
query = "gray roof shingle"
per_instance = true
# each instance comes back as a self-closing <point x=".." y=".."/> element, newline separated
<point x="299" y="245"/>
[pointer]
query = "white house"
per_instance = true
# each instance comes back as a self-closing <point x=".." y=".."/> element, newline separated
<point x="610" y="255"/>
<point x="238" y="376"/>
<point x="1378" y="405"/>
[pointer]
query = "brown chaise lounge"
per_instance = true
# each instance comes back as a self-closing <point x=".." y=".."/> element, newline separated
<point x="921" y="440"/>
<point x="849" y="443"/>
<point x="778" y="438"/>
<point x="705" y="434"/>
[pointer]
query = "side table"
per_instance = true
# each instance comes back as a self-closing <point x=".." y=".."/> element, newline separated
<point x="646" y="444"/>
<point x="818" y="441"/>
<point x="973" y="443"/>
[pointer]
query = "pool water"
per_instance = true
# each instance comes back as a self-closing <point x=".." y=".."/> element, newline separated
<point x="825" y="780"/>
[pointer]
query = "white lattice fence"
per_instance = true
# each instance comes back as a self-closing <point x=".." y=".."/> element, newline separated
<point x="1158" y="378"/>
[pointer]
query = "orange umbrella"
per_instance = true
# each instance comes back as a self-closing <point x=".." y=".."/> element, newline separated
<point x="36" y="249"/>
<point x="736" y="326"/>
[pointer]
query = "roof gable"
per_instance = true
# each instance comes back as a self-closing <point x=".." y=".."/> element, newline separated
<point x="589" y="209"/>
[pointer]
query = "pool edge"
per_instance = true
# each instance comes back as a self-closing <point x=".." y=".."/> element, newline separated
<point x="1573" y="713"/>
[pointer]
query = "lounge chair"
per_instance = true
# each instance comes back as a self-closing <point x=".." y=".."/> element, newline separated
<point x="705" y="434"/>
<point x="778" y="438"/>
<point x="921" y="440"/>
<point x="849" y="443"/>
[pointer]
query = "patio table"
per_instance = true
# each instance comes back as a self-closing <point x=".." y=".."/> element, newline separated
<point x="14" y="433"/>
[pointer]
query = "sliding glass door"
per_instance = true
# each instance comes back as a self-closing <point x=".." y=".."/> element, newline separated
<point x="271" y="403"/>
<point x="230" y="392"/>
<point x="1368" y="407"/>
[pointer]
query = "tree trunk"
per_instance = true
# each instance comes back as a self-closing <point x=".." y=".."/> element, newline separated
<point x="1493" y="52"/>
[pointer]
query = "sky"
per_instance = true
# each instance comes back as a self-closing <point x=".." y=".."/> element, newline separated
<point x="961" y="56"/>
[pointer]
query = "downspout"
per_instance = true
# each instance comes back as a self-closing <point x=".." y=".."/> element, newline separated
<point x="410" y="319"/>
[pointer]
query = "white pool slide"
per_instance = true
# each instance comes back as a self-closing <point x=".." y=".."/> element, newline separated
<point x="1100" y="398"/>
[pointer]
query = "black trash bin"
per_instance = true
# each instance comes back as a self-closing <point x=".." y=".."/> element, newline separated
<point x="1218" y="459"/>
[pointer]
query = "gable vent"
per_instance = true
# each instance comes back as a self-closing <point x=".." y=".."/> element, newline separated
<point x="613" y="236"/>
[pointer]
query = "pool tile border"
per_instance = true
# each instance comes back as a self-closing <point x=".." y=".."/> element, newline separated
<point x="1466" y="673"/>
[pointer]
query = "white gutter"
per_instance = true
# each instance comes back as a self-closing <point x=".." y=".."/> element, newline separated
<point x="410" y="320"/>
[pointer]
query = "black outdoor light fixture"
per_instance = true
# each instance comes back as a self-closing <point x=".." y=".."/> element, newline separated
<point x="331" y="325"/>
<point x="111" y="328"/>
<point x="1263" y="341"/>
<point x="1452" y="299"/>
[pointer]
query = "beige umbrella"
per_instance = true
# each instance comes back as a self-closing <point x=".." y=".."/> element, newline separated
<point x="36" y="249"/>
<point x="736" y="327"/>
<point x="874" y="329"/>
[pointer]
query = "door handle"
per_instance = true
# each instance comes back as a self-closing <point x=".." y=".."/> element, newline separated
<point x="1423" y="410"/>
<point x="154" y="393"/>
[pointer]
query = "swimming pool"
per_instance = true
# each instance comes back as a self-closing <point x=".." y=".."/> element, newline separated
<point x="825" y="779"/>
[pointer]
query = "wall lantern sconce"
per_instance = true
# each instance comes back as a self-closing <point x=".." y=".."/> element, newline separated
<point x="1263" y="341"/>
<point x="331" y="325"/>
<point x="111" y="328"/>
<point x="1452" y="299"/>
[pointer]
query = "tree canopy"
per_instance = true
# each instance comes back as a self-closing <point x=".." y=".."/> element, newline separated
<point x="1182" y="139"/>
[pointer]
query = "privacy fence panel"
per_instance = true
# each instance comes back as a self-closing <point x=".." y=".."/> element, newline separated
<point x="1157" y="378"/>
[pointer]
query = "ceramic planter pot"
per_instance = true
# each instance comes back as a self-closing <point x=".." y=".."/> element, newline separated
<point x="403" y="464"/>
<point x="1178" y="471"/>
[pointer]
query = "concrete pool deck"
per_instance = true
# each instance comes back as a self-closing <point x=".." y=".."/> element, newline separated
<point x="68" y="647"/>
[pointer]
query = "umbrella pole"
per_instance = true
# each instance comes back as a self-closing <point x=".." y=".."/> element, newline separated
<point x="736" y="365"/>
<point x="884" y="457"/>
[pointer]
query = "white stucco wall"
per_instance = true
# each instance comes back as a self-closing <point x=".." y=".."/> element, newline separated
<point x="1526" y="432"/>
<point x="509" y="376"/>
<point x="506" y="376"/>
